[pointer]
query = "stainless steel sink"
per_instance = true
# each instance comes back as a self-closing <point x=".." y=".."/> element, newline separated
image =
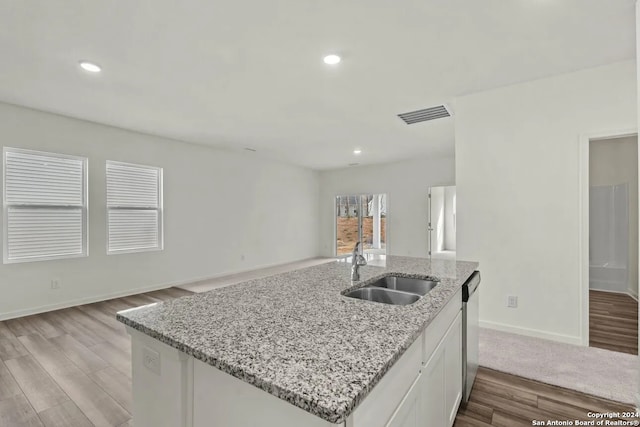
<point x="386" y="296"/>
<point x="415" y="286"/>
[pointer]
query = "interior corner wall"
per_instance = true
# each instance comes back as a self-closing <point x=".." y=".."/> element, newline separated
<point x="406" y="185"/>
<point x="224" y="212"/>
<point x="517" y="181"/>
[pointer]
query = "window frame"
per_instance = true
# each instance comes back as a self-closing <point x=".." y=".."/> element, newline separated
<point x="159" y="209"/>
<point x="5" y="206"/>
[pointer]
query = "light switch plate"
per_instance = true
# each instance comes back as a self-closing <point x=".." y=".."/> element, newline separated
<point x="151" y="359"/>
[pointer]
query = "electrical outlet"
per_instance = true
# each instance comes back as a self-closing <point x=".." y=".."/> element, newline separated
<point x="242" y="257"/>
<point x="151" y="359"/>
<point x="55" y="283"/>
<point x="512" y="301"/>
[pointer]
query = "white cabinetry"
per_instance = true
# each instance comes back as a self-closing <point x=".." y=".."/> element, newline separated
<point x="452" y="346"/>
<point x="434" y="387"/>
<point x="422" y="389"/>
<point x="442" y="379"/>
<point x="409" y="412"/>
<point x="432" y="396"/>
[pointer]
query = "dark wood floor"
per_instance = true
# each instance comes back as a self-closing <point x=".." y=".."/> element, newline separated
<point x="72" y="368"/>
<point x="69" y="367"/>
<point x="499" y="399"/>
<point x="613" y="322"/>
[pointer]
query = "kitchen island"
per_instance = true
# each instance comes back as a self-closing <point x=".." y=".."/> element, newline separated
<point x="292" y="350"/>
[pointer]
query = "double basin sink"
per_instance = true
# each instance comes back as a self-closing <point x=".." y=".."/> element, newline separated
<point x="394" y="290"/>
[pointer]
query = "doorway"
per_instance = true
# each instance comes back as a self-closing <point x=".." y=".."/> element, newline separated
<point x="361" y="218"/>
<point x="613" y="243"/>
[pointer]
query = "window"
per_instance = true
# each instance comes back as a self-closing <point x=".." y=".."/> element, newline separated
<point x="134" y="208"/>
<point x="45" y="206"/>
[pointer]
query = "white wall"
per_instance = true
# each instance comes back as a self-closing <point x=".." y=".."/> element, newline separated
<point x="219" y="205"/>
<point x="406" y="184"/>
<point x="613" y="162"/>
<point x="517" y="177"/>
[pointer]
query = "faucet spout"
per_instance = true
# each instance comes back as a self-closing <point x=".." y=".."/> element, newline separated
<point x="357" y="261"/>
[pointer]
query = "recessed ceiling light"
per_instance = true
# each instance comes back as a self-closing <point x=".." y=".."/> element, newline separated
<point x="332" y="59"/>
<point x="90" y="67"/>
<point x="357" y="151"/>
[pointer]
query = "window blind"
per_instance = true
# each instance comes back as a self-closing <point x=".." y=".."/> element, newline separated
<point x="44" y="206"/>
<point x="134" y="207"/>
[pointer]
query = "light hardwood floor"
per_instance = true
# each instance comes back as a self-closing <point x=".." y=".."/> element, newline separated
<point x="613" y="322"/>
<point x="72" y="368"/>
<point x="499" y="399"/>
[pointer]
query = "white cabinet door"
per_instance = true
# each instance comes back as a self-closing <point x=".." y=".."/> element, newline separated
<point x="408" y="413"/>
<point x="452" y="346"/>
<point x="433" y="401"/>
<point x="442" y="379"/>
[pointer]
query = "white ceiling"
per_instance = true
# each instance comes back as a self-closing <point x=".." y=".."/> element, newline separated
<point x="241" y="74"/>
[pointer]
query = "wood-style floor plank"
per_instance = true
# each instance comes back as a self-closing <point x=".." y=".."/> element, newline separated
<point x="93" y="310"/>
<point x="17" y="412"/>
<point x="117" y="384"/>
<point x="613" y="322"/>
<point x="84" y="358"/>
<point x="463" y="420"/>
<point x="79" y="332"/>
<point x="11" y="348"/>
<point x="500" y="380"/>
<point x="20" y="327"/>
<point x="93" y="401"/>
<point x="119" y="358"/>
<point x="62" y="380"/>
<point x="491" y="402"/>
<point x="8" y="385"/>
<point x="65" y="415"/>
<point x="5" y="332"/>
<point x="43" y="326"/>
<point x="99" y="329"/>
<point x="39" y="388"/>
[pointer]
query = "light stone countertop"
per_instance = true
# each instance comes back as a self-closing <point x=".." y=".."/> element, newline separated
<point x="295" y="336"/>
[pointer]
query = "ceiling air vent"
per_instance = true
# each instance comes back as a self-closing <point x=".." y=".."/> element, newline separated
<point x="425" y="115"/>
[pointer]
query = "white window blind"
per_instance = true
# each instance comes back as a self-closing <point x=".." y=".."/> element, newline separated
<point x="134" y="207"/>
<point x="45" y="206"/>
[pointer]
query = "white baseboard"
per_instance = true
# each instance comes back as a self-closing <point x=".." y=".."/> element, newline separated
<point x="97" y="298"/>
<point x="536" y="333"/>
<point x="632" y="294"/>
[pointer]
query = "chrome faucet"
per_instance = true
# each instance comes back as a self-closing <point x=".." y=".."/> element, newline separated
<point x="357" y="261"/>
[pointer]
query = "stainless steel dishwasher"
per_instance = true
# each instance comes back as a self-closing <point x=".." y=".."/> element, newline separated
<point x="470" y="312"/>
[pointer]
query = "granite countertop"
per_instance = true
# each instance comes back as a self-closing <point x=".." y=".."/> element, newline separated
<point x="295" y="336"/>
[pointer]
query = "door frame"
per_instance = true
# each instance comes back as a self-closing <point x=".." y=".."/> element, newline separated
<point x="583" y="202"/>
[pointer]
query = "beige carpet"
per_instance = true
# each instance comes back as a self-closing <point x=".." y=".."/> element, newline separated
<point x="590" y="370"/>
